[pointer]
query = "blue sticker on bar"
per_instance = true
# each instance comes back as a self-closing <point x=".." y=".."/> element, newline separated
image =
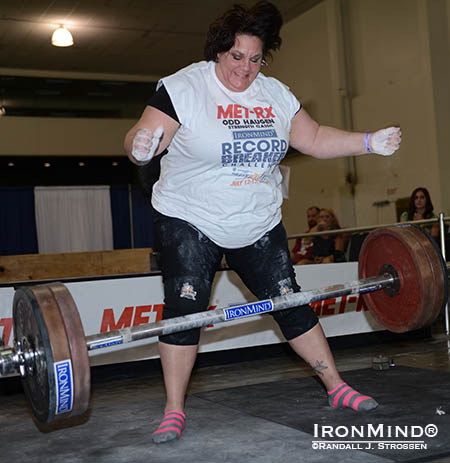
<point x="248" y="310"/>
<point x="101" y="345"/>
<point x="64" y="386"/>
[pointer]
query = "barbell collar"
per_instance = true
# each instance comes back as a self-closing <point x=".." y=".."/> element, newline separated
<point x="8" y="361"/>
<point x="200" y="319"/>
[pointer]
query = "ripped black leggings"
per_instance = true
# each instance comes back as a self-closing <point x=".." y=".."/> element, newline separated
<point x="189" y="261"/>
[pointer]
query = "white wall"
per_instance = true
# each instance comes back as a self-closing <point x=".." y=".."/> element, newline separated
<point x="303" y="64"/>
<point x="396" y="70"/>
<point x="393" y="84"/>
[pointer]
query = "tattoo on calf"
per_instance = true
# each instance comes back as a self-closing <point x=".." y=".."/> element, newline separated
<point x="319" y="367"/>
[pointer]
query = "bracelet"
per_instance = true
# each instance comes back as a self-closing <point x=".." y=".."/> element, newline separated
<point x="366" y="142"/>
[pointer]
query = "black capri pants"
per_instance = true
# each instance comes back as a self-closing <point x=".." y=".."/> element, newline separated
<point x="189" y="261"/>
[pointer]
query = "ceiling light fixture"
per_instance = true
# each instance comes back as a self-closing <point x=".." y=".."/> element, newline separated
<point x="62" y="37"/>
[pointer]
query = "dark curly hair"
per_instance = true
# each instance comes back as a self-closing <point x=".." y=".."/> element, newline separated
<point x="262" y="20"/>
<point x="429" y="208"/>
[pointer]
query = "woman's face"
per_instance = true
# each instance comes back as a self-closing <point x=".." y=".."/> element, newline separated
<point x="238" y="67"/>
<point x="325" y="218"/>
<point x="420" y="200"/>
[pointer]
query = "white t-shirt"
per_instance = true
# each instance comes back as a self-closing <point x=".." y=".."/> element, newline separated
<point x="221" y="171"/>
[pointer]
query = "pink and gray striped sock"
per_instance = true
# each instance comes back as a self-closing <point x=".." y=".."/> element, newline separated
<point x="171" y="427"/>
<point x="345" y="396"/>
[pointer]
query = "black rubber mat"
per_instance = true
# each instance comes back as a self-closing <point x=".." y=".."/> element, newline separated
<point x="414" y="405"/>
<point x="118" y="426"/>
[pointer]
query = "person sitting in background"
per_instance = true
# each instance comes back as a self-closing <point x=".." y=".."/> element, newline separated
<point x="326" y="248"/>
<point x="421" y="208"/>
<point x="303" y="246"/>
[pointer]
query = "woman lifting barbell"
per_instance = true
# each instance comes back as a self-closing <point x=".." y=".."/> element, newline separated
<point x="219" y="192"/>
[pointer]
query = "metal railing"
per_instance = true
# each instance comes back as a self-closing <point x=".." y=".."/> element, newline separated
<point x="342" y="231"/>
<point x="441" y="220"/>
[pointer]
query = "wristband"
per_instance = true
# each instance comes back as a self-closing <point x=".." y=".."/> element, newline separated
<point x="366" y="142"/>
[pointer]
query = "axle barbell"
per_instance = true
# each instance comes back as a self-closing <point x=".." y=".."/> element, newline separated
<point x="403" y="279"/>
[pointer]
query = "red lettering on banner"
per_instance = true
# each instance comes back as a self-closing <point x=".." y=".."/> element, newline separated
<point x="342" y="305"/>
<point x="126" y="317"/>
<point x="138" y="318"/>
<point x="328" y="307"/>
<point x="7" y="324"/>
<point x="109" y="323"/>
<point x="326" y="310"/>
<point x="361" y="305"/>
<point x="158" y="308"/>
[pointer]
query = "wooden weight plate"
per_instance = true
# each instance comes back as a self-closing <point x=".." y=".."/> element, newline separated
<point x="49" y="376"/>
<point x="439" y="269"/>
<point x="421" y="271"/>
<point x="424" y="246"/>
<point x="78" y="347"/>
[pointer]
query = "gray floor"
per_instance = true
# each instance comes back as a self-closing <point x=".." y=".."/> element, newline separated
<point x="124" y="412"/>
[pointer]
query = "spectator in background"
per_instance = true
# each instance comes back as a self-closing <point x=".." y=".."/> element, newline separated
<point x="325" y="248"/>
<point x="303" y="246"/>
<point x="420" y="208"/>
